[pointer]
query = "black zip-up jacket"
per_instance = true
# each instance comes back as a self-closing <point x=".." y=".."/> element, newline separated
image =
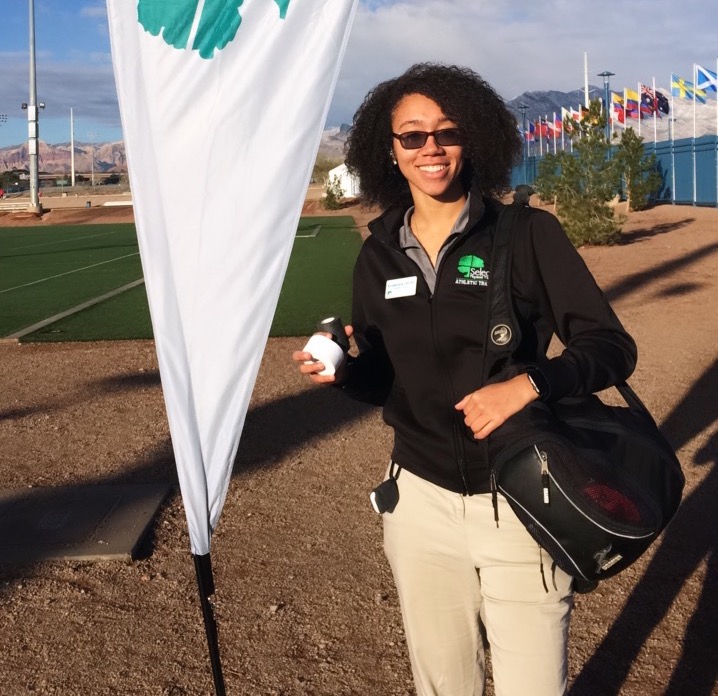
<point x="420" y="354"/>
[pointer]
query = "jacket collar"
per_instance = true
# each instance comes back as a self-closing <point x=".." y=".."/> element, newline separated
<point x="386" y="227"/>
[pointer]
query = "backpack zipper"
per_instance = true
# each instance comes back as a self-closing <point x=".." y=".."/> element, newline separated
<point x="494" y="495"/>
<point x="545" y="479"/>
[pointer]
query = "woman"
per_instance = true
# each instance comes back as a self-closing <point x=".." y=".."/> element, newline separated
<point x="435" y="148"/>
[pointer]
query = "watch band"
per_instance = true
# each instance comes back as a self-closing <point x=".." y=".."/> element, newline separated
<point x="534" y="385"/>
<point x="539" y="382"/>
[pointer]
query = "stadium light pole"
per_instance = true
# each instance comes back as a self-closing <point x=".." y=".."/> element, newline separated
<point x="92" y="135"/>
<point x="72" y="145"/>
<point x="32" y="120"/>
<point x="606" y="75"/>
<point x="523" y="109"/>
<point x="3" y="119"/>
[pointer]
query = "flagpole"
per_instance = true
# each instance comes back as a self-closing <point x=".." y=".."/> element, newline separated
<point x="655" y="116"/>
<point x="585" y="79"/>
<point x="695" y="91"/>
<point x="205" y="585"/>
<point x="640" y="113"/>
<point x="548" y="137"/>
<point x="693" y="148"/>
<point x="672" y="126"/>
<point x="529" y="141"/>
<point x="625" y="108"/>
<point x="532" y="142"/>
<point x="715" y="144"/>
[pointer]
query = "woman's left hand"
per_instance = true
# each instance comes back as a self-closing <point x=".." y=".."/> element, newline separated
<point x="489" y="407"/>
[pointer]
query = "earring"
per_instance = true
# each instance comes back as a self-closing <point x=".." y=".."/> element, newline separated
<point x="393" y="158"/>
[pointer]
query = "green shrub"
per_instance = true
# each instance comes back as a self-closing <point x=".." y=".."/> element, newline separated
<point x="334" y="194"/>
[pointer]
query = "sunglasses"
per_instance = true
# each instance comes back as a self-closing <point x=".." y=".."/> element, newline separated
<point x="413" y="140"/>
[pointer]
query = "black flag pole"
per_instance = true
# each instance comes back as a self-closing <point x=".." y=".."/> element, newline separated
<point x="205" y="583"/>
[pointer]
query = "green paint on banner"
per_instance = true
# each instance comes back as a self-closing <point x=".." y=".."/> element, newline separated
<point x="173" y="20"/>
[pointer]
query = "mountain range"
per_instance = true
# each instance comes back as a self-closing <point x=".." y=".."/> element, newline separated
<point x="541" y="104"/>
<point x="110" y="157"/>
<point x="56" y="159"/>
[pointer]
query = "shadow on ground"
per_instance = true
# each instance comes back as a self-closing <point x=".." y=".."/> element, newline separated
<point x="275" y="429"/>
<point x="691" y="539"/>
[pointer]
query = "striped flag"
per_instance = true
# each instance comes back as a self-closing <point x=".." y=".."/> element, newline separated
<point x="235" y="94"/>
<point x="631" y="100"/>
<point x="617" y="108"/>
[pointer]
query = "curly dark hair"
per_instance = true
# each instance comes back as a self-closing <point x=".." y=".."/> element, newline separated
<point x="492" y="144"/>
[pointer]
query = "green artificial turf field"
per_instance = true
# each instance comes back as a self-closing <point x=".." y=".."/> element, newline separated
<point x="51" y="271"/>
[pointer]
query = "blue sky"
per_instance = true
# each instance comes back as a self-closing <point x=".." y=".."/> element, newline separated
<point x="517" y="45"/>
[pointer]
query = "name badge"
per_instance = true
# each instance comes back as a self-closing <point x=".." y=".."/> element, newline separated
<point x="400" y="287"/>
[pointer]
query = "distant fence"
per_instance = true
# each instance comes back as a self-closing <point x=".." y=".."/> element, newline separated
<point x="688" y="169"/>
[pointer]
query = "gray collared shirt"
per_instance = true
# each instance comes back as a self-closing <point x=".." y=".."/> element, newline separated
<point x="413" y="249"/>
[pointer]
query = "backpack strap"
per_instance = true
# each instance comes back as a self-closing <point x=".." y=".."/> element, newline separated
<point x="502" y="332"/>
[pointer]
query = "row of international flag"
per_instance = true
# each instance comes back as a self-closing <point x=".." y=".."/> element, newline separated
<point x="641" y="103"/>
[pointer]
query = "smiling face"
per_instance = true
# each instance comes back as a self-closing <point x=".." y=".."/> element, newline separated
<point x="432" y="170"/>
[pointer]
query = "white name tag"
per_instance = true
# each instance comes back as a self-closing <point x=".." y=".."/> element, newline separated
<point x="400" y="287"/>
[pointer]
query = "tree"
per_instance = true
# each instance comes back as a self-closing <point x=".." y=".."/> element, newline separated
<point x="639" y="171"/>
<point x="583" y="182"/>
<point x="322" y="166"/>
<point x="334" y="194"/>
<point x="9" y="179"/>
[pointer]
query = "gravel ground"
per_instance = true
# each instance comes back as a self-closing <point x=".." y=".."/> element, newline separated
<point x="305" y="600"/>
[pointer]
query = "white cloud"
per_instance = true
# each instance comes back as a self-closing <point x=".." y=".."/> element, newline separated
<point x="94" y="11"/>
<point x="527" y="45"/>
<point x="517" y="45"/>
<point x="90" y="88"/>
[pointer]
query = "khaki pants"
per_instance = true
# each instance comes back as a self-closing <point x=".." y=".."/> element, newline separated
<point x="451" y="564"/>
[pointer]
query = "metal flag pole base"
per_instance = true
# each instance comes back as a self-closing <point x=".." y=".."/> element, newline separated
<point x="205" y="583"/>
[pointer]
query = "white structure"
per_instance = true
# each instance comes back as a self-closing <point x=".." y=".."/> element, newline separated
<point x="348" y="182"/>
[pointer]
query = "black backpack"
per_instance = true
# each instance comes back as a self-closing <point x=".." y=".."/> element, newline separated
<point x="593" y="484"/>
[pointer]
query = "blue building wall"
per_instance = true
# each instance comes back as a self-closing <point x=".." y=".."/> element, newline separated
<point x="676" y="163"/>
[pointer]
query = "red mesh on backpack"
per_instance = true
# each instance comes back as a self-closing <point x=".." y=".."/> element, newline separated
<point x="616" y="504"/>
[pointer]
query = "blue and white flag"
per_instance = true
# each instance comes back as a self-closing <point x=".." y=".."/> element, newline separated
<point x="706" y="79"/>
<point x="223" y="104"/>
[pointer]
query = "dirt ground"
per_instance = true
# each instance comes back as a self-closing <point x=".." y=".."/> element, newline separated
<point x="305" y="601"/>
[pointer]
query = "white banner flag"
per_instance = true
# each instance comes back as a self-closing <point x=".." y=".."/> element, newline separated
<point x="223" y="104"/>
